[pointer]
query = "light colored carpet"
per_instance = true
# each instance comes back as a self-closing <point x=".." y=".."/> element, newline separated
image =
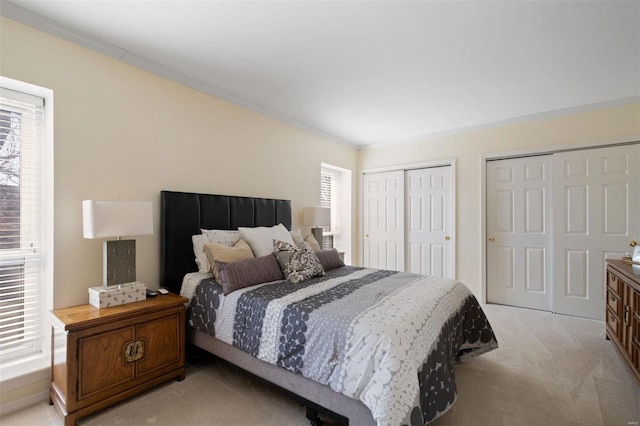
<point x="549" y="370"/>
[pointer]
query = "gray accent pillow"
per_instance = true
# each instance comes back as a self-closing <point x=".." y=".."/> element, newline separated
<point x="299" y="262"/>
<point x="329" y="259"/>
<point x="248" y="272"/>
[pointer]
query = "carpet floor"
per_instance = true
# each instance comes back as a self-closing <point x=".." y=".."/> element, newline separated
<point x="549" y="370"/>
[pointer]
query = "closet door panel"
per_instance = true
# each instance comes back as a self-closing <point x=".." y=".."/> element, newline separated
<point x="430" y="233"/>
<point x="383" y="220"/>
<point x="596" y="214"/>
<point x="519" y="232"/>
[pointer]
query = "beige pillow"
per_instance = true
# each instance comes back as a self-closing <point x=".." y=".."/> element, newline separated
<point x="311" y="240"/>
<point x="227" y="238"/>
<point x="226" y="254"/>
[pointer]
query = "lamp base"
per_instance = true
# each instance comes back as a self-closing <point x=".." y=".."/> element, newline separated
<point x="103" y="297"/>
<point x="317" y="234"/>
<point x="119" y="258"/>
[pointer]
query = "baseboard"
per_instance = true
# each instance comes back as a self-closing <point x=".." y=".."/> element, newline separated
<point x="25" y="402"/>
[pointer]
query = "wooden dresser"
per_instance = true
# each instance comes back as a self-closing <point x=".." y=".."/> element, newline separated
<point x="623" y="311"/>
<point x="102" y="356"/>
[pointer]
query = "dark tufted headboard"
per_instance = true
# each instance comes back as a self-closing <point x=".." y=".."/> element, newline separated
<point x="183" y="214"/>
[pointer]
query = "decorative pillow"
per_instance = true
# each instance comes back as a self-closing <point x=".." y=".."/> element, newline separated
<point x="221" y="236"/>
<point x="248" y="272"/>
<point x="218" y="236"/>
<point x="298" y="263"/>
<point x="311" y="240"/>
<point x="261" y="238"/>
<point x="329" y="259"/>
<point x="221" y="253"/>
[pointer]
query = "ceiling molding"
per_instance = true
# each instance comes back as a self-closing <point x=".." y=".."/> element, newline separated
<point x="17" y="13"/>
<point x="39" y="22"/>
<point x="501" y="123"/>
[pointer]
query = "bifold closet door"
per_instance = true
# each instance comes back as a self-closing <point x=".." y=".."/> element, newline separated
<point x="383" y="220"/>
<point x="596" y="213"/>
<point x="519" y="235"/>
<point x="429" y="222"/>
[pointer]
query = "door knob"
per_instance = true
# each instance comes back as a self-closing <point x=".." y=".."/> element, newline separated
<point x="447" y="238"/>
<point x="633" y="243"/>
<point x="492" y="239"/>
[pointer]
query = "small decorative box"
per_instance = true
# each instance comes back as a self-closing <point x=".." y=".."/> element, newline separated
<point x="114" y="295"/>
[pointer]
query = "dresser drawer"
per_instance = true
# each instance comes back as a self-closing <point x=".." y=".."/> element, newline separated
<point x="614" y="283"/>
<point x="613" y="324"/>
<point x="614" y="303"/>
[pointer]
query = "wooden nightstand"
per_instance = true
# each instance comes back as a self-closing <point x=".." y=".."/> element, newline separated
<point x="102" y="356"/>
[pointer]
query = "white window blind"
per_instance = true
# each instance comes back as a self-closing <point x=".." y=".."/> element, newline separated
<point x="21" y="223"/>
<point x="329" y="198"/>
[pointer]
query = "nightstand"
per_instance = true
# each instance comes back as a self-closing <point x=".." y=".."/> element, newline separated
<point x="103" y="356"/>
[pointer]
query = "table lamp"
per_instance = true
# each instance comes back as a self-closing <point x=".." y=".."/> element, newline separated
<point x="316" y="217"/>
<point x="117" y="219"/>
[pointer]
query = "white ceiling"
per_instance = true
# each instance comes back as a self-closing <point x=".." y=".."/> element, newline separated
<point x="371" y="72"/>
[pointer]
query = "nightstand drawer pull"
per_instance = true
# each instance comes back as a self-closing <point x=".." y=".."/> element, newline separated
<point x="134" y="351"/>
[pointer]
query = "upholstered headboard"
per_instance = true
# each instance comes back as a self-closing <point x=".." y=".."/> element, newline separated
<point x="183" y="214"/>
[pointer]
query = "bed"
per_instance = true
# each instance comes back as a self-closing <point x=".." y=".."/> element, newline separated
<point x="388" y="364"/>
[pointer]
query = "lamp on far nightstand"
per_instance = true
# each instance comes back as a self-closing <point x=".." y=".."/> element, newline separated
<point x="316" y="217"/>
<point x="116" y="219"/>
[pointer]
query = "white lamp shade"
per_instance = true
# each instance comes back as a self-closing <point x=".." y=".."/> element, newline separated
<point x="107" y="219"/>
<point x="316" y="216"/>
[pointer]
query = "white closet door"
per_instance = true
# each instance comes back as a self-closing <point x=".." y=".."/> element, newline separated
<point x="519" y="269"/>
<point x="383" y="217"/>
<point x="596" y="214"/>
<point x="429" y="221"/>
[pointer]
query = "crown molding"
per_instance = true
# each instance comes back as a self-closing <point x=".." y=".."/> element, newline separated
<point x="39" y="22"/>
<point x="501" y="123"/>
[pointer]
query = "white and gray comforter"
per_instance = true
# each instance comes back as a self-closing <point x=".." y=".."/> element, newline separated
<point x="386" y="338"/>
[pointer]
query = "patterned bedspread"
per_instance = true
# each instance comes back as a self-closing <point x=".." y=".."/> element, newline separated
<point x="389" y="339"/>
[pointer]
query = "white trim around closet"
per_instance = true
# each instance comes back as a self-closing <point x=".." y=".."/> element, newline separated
<point x="527" y="152"/>
<point x="450" y="162"/>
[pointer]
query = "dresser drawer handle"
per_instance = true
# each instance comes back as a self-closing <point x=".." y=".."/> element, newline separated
<point x="612" y="318"/>
<point x="612" y="298"/>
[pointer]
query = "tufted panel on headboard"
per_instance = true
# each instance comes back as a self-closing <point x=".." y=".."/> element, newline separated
<point x="183" y="214"/>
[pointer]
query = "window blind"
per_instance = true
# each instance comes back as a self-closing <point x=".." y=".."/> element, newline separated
<point x="21" y="223"/>
<point x="329" y="199"/>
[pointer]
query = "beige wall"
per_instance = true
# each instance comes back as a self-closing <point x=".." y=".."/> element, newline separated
<point x="123" y="133"/>
<point x="595" y="127"/>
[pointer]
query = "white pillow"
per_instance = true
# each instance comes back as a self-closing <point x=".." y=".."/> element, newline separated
<point x="218" y="236"/>
<point x="261" y="238"/>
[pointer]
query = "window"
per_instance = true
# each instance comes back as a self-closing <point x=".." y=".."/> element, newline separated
<point x="329" y="197"/>
<point x="22" y="221"/>
<point x="335" y="193"/>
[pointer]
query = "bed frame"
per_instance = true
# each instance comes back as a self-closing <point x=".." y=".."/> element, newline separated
<point x="183" y="214"/>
